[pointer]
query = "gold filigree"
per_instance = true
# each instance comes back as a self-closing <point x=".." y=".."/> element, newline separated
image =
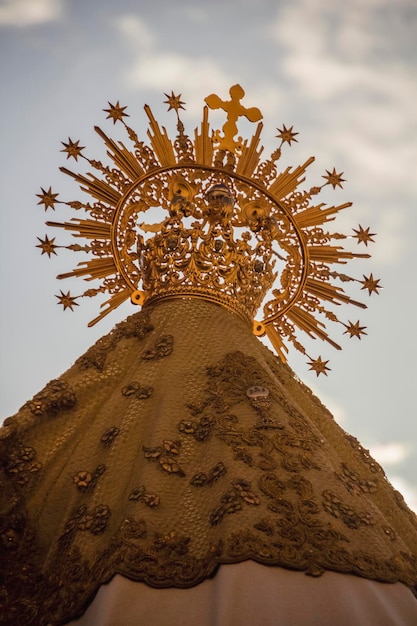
<point x="231" y="228"/>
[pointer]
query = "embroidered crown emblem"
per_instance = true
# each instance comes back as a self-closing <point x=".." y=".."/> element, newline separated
<point x="208" y="218"/>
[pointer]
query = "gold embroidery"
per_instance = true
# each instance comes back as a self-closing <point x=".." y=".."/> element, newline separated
<point x="200" y="430"/>
<point x="214" y="474"/>
<point x="349" y="516"/>
<point x="109" y="436"/>
<point x="85" y="480"/>
<point x="134" y="389"/>
<point x="140" y="495"/>
<point x="21" y="464"/>
<point x="354" y="483"/>
<point x="55" y="397"/>
<point x="166" y="456"/>
<point x="163" y="347"/>
<point x="94" y="521"/>
<point x="137" y="325"/>
<point x="232" y="500"/>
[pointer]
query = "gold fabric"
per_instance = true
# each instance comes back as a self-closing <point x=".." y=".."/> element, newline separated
<point x="177" y="443"/>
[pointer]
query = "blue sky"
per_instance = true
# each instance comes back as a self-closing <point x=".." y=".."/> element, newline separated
<point x="343" y="73"/>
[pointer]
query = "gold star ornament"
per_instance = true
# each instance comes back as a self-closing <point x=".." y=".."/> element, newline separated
<point x="72" y="149"/>
<point x="67" y="301"/>
<point x="371" y="284"/>
<point x="363" y="235"/>
<point x="174" y="102"/>
<point x="116" y="112"/>
<point x="47" y="198"/>
<point x="287" y="135"/>
<point x="47" y="245"/>
<point x="354" y="330"/>
<point x="319" y="366"/>
<point x="334" y="179"/>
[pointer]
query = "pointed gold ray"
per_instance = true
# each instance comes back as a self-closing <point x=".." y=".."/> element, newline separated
<point x="309" y="324"/>
<point x="121" y="156"/>
<point x="333" y="254"/>
<point x="95" y="268"/>
<point x="161" y="143"/>
<point x="90" y="229"/>
<point x="316" y="215"/>
<point x="326" y="291"/>
<point x="286" y="182"/>
<point x="275" y="338"/>
<point x="203" y="145"/>
<point x="99" y="189"/>
<point x="116" y="300"/>
<point x="250" y="156"/>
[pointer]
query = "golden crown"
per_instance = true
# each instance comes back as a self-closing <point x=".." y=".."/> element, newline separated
<point x="224" y="226"/>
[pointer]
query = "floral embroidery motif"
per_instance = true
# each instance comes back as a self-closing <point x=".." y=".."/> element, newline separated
<point x="137" y="325"/>
<point x="140" y="495"/>
<point x="21" y="464"/>
<point x="296" y="524"/>
<point x="239" y="379"/>
<point x="170" y="546"/>
<point x="94" y="521"/>
<point x="134" y="389"/>
<point x="109" y="436"/>
<point x="371" y="463"/>
<point x="55" y="397"/>
<point x="349" y="516"/>
<point x="202" y="480"/>
<point x="86" y="480"/>
<point x="166" y="456"/>
<point x="163" y="347"/>
<point x="232" y="500"/>
<point x="200" y="430"/>
<point x="133" y="529"/>
<point x="354" y="483"/>
<point x="97" y="354"/>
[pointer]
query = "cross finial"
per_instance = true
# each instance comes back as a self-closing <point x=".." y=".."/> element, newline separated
<point x="234" y="110"/>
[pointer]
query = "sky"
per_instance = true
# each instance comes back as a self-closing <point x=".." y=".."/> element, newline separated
<point x="343" y="73"/>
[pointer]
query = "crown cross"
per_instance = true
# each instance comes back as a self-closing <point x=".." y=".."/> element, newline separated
<point x="234" y="110"/>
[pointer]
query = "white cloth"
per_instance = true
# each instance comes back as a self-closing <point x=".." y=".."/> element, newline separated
<point x="249" y="594"/>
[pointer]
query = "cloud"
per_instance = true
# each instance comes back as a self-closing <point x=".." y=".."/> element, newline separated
<point x="345" y="60"/>
<point x="194" y="76"/>
<point x="390" y="453"/>
<point x="152" y="68"/>
<point x="24" y="13"/>
<point x="136" y="32"/>
<point x="353" y="64"/>
<point x="393" y="229"/>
